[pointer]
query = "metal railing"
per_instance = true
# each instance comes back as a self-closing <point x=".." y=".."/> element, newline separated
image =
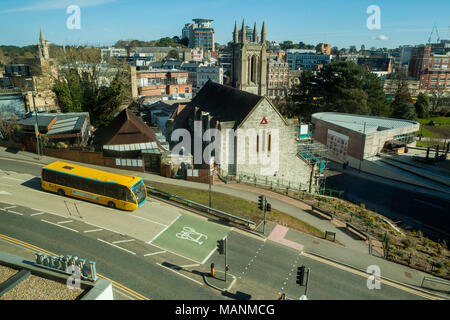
<point x="201" y="206"/>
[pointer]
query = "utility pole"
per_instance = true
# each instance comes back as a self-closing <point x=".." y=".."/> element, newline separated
<point x="361" y="160"/>
<point x="36" y="127"/>
<point x="265" y="209"/>
<point x="210" y="170"/>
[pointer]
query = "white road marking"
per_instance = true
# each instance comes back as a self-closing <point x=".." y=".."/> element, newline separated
<point x="209" y="255"/>
<point x="122" y="241"/>
<point x="55" y="224"/>
<point x="111" y="244"/>
<point x="6" y="185"/>
<point x="177" y="254"/>
<point x="149" y="220"/>
<point x="61" y="222"/>
<point x="10" y="178"/>
<point x="6" y="208"/>
<point x="7" y="202"/>
<point x="153" y="253"/>
<point x="93" y="230"/>
<point x="190" y="265"/>
<point x="20" y="214"/>
<point x="37" y="214"/>
<point x="164" y="229"/>
<point x="102" y="227"/>
<point x="198" y="282"/>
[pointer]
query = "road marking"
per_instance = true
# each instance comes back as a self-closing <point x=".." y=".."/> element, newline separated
<point x="38" y="249"/>
<point x="122" y="241"/>
<point x="102" y="227"/>
<point x="190" y="265"/>
<point x="6" y="185"/>
<point x="198" y="282"/>
<point x="146" y="219"/>
<point x="177" y="254"/>
<point x="55" y="224"/>
<point x="67" y="221"/>
<point x="164" y="229"/>
<point x="18" y="213"/>
<point x="37" y="214"/>
<point x="209" y="255"/>
<point x="93" y="230"/>
<point x="111" y="244"/>
<point x="153" y="253"/>
<point x="10" y="178"/>
<point x="7" y="202"/>
<point x="6" y="208"/>
<point x="365" y="275"/>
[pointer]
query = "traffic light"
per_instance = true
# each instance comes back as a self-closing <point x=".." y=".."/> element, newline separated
<point x="300" y="275"/>
<point x="268" y="207"/>
<point x="261" y="202"/>
<point x="221" y="246"/>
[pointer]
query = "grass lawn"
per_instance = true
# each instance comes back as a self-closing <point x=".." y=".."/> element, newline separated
<point x="239" y="207"/>
<point x="443" y="120"/>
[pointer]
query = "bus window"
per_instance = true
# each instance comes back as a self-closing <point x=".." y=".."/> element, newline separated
<point x="61" y="179"/>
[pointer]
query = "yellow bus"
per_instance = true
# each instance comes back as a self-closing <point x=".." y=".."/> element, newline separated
<point x="110" y="189"/>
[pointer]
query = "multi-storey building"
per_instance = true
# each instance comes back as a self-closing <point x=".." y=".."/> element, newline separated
<point x="112" y="52"/>
<point x="159" y="82"/>
<point x="200" y="34"/>
<point x="379" y="65"/>
<point x="431" y="69"/>
<point x="325" y="48"/>
<point x="306" y="59"/>
<point x="277" y="78"/>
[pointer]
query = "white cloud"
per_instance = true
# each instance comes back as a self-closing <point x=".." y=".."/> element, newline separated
<point x="381" y="37"/>
<point x="44" y="5"/>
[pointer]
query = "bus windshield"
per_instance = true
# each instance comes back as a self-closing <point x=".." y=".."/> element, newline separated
<point x="139" y="191"/>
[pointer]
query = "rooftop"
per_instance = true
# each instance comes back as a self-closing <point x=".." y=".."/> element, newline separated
<point x="362" y="123"/>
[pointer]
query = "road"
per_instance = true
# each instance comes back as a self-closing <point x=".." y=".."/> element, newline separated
<point x="123" y="246"/>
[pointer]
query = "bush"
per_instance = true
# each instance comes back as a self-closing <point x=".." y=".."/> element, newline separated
<point x="406" y="242"/>
<point x="61" y="145"/>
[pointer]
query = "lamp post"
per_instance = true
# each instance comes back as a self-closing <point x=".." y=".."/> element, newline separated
<point x="36" y="127"/>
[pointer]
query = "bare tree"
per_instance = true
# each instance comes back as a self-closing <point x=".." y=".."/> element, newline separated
<point x="437" y="98"/>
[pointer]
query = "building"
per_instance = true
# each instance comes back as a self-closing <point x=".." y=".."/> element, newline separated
<point x="249" y="65"/>
<point x="159" y="53"/>
<point x="430" y="69"/>
<point x="277" y="78"/>
<point x="353" y="138"/>
<point x="111" y="52"/>
<point x="325" y="48"/>
<point x="381" y="66"/>
<point x="255" y="139"/>
<point x="163" y="83"/>
<point x="208" y="72"/>
<point x="390" y="86"/>
<point x="226" y="60"/>
<point x="306" y="59"/>
<point x="200" y="34"/>
<point x="12" y="105"/>
<point x="130" y="141"/>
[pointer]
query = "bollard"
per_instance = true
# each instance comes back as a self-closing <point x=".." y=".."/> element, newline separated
<point x="283" y="297"/>
<point x="212" y="270"/>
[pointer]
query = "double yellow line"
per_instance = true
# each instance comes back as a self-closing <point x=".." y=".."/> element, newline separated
<point x="115" y="284"/>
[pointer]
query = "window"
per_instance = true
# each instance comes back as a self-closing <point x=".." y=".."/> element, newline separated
<point x="269" y="142"/>
<point x="257" y="143"/>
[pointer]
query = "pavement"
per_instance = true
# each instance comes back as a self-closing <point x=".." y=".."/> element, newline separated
<point x="280" y="246"/>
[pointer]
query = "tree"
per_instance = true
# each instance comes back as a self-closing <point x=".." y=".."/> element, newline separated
<point x="352" y="49"/>
<point x="422" y="105"/>
<point x="401" y="97"/>
<point x="335" y="51"/>
<point x="437" y="97"/>
<point x="184" y="42"/>
<point x="173" y="54"/>
<point x="405" y="111"/>
<point x="341" y="86"/>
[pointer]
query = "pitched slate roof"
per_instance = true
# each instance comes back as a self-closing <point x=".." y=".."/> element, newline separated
<point x="225" y="103"/>
<point x="126" y="128"/>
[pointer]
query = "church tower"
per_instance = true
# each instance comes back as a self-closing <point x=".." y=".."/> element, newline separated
<point x="43" y="48"/>
<point x="249" y="66"/>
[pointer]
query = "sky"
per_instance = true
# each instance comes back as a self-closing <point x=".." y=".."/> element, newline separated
<point x="341" y="23"/>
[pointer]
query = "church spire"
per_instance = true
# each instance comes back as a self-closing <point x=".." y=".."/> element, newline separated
<point x="255" y="34"/>
<point x="244" y="35"/>
<point x="41" y="38"/>
<point x="235" y="33"/>
<point x="263" y="33"/>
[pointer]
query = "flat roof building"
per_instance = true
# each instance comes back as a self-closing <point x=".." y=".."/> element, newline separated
<point x="358" y="136"/>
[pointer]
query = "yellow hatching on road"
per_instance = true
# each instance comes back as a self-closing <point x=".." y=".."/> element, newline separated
<point x="117" y="285"/>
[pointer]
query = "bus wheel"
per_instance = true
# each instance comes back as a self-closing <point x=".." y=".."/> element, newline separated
<point x="111" y="205"/>
<point x="61" y="192"/>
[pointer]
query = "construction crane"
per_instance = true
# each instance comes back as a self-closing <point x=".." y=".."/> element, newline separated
<point x="431" y="34"/>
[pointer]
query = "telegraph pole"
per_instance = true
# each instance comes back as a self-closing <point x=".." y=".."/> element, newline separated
<point x="36" y="126"/>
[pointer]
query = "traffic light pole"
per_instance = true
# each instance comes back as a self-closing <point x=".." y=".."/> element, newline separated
<point x="307" y="281"/>
<point x="225" y="245"/>
<point x="265" y="208"/>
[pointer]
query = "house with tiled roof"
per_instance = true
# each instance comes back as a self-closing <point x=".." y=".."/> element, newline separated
<point x="128" y="137"/>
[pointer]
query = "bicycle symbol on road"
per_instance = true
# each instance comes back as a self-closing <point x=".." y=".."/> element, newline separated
<point x="189" y="233"/>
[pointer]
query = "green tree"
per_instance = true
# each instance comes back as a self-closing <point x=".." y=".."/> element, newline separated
<point x="422" y="105"/>
<point x="173" y="54"/>
<point x="401" y="98"/>
<point x="405" y="111"/>
<point x="352" y="49"/>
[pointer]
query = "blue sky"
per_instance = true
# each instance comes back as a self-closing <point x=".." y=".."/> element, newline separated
<point x="341" y="23"/>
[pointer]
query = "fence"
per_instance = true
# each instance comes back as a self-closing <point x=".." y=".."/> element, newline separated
<point x="276" y="183"/>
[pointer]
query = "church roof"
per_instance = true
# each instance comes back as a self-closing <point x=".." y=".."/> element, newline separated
<point x="225" y="103"/>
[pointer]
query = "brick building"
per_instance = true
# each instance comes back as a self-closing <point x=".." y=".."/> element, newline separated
<point x="430" y="69"/>
<point x="159" y="82"/>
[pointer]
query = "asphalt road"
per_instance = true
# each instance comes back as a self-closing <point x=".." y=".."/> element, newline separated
<point x="264" y="268"/>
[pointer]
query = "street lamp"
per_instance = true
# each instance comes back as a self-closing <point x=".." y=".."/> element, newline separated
<point x="36" y="126"/>
<point x="210" y="171"/>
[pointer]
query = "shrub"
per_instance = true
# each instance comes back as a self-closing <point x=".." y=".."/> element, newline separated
<point x="61" y="145"/>
<point x="420" y="234"/>
<point x="406" y="242"/>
